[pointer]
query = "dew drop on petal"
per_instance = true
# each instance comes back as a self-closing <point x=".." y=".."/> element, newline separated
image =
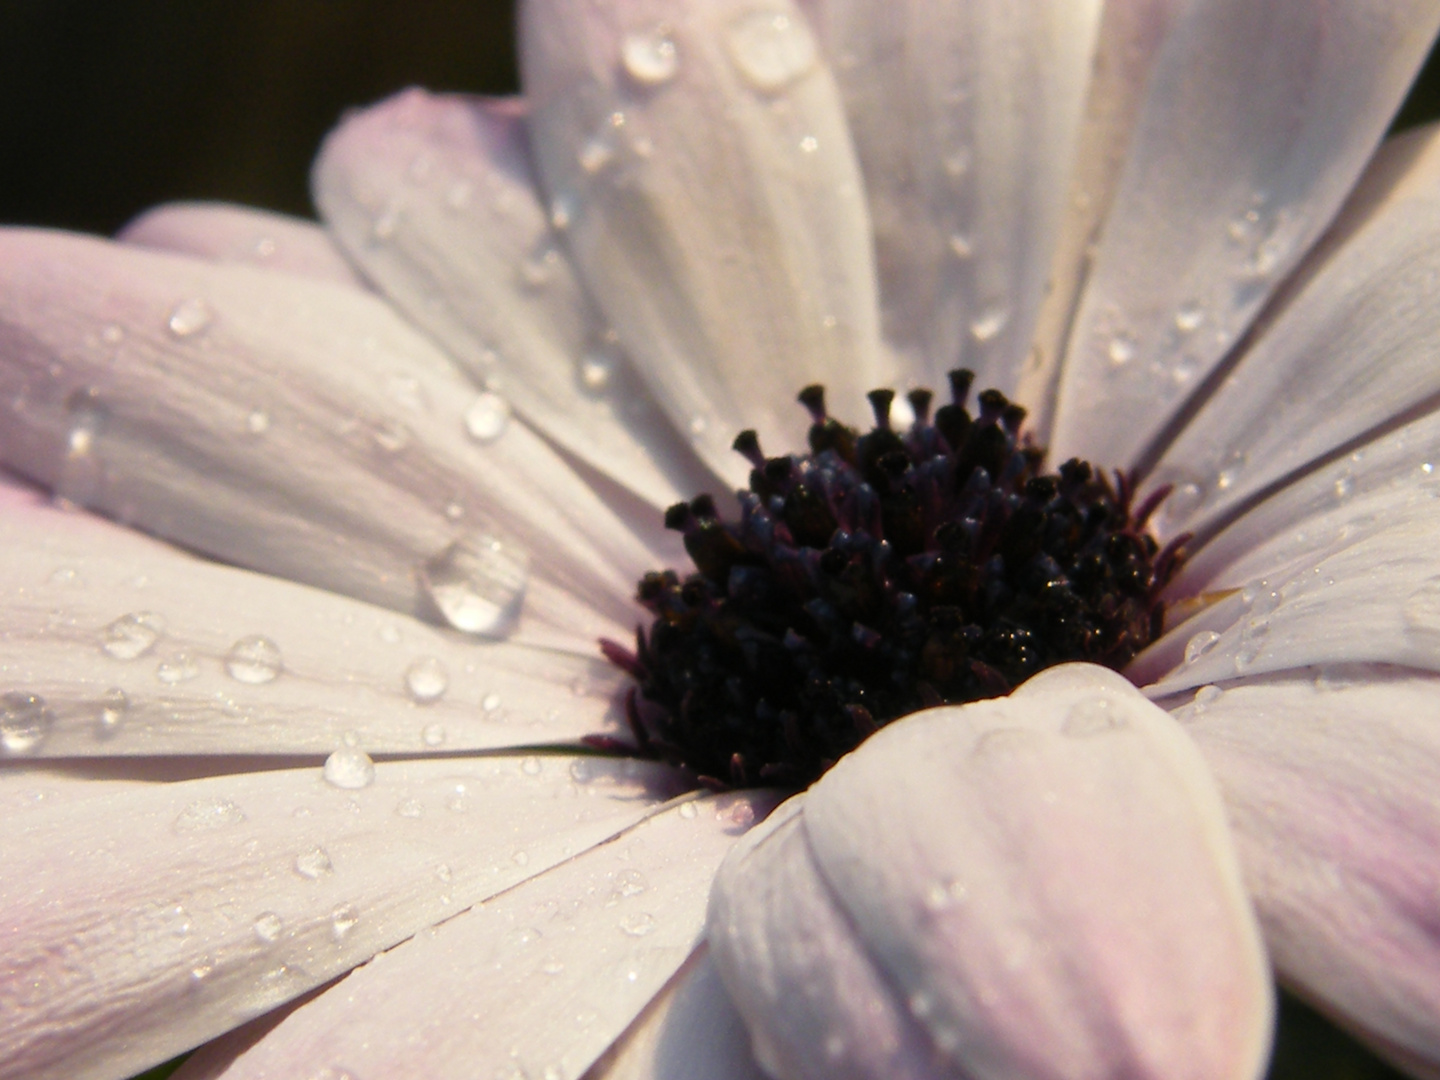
<point x="254" y="660"/>
<point x="1093" y="716"/>
<point x="342" y="921"/>
<point x="25" y="721"/>
<point x="114" y="708"/>
<point x="1200" y="644"/>
<point x="426" y="680"/>
<point x="595" y="371"/>
<point x="638" y="925"/>
<point x="1206" y="696"/>
<point x="314" y="864"/>
<point x="267" y="927"/>
<point x="490" y="702"/>
<point x="433" y="735"/>
<point x="478" y="584"/>
<point x="770" y="49"/>
<point x="258" y="422"/>
<point x="989" y="324"/>
<point x="204" y="815"/>
<point x="189" y="317"/>
<point x="177" y="668"/>
<point x="487" y="418"/>
<point x="349" y="768"/>
<point x="1189" y="318"/>
<point x="409" y="808"/>
<point x="530" y="765"/>
<point x="688" y="811"/>
<point x="1121" y="350"/>
<point x="595" y="154"/>
<point x="650" y="56"/>
<point x="132" y="635"/>
<point x="961" y="246"/>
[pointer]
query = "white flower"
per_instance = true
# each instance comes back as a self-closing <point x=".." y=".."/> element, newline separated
<point x="685" y="223"/>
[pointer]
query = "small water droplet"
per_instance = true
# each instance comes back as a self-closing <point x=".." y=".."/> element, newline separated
<point x="349" y="768"/>
<point x="698" y="425"/>
<point x="391" y="436"/>
<point x="1121" y="350"/>
<point x="342" y="921"/>
<point x="638" y="924"/>
<point x="630" y="883"/>
<point x="770" y="49"/>
<point x="487" y="418"/>
<point x="177" y="668"/>
<point x="650" y="56"/>
<point x="444" y="873"/>
<point x="989" y="324"/>
<point x="580" y="771"/>
<point x="490" y="702"/>
<point x="961" y="246"/>
<point x="258" y="422"/>
<point x="1189" y="318"/>
<point x="313" y="864"/>
<point x="595" y="371"/>
<point x="409" y="808"/>
<point x="459" y="799"/>
<point x="552" y="966"/>
<point x="390" y="634"/>
<point x="189" y="318"/>
<point x="1200" y="644"/>
<point x="114" y="707"/>
<point x="1207" y="695"/>
<point x="1343" y="486"/>
<point x="478" y="584"/>
<point x="536" y="270"/>
<point x="1226" y="479"/>
<point x="205" y="815"/>
<point x="920" y="1004"/>
<point x="596" y="154"/>
<point x="426" y="680"/>
<point x="132" y="635"/>
<point x="809" y="144"/>
<point x="530" y="765"/>
<point x="1093" y="716"/>
<point x="268" y="926"/>
<point x="25" y="721"/>
<point x="688" y="811"/>
<point x="562" y="213"/>
<point x="520" y="858"/>
<point x="254" y="660"/>
<point x="1004" y="742"/>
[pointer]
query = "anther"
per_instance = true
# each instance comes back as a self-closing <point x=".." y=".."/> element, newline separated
<point x="961" y="380"/>
<point x="880" y="402"/>
<point x="747" y="443"/>
<point x="813" y="398"/>
<point x="920" y="399"/>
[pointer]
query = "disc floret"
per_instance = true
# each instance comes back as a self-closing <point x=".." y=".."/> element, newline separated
<point x="880" y="574"/>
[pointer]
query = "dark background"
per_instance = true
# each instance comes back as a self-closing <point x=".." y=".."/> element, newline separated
<point x="110" y="106"/>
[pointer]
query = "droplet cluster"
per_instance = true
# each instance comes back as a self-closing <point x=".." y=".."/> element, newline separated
<point x="880" y="574"/>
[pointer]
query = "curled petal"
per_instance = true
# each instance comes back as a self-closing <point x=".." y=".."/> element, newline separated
<point x="1044" y="883"/>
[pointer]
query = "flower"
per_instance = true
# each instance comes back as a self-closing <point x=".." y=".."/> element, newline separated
<point x="726" y="182"/>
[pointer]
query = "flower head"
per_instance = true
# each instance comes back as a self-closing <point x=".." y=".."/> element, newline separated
<point x="400" y="478"/>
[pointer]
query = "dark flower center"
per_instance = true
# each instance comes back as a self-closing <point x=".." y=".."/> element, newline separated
<point x="879" y="574"/>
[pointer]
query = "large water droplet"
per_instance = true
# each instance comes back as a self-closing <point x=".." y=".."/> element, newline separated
<point x="487" y="418"/>
<point x="132" y="635"/>
<point x="254" y="660"/>
<point x="650" y="57"/>
<point x="267" y="927"/>
<point x="1200" y="644"/>
<point x="478" y="584"/>
<point x="189" y="318"/>
<point x="770" y="49"/>
<point x="314" y="864"/>
<point x="349" y="768"/>
<point x="25" y="721"/>
<point x="205" y="815"/>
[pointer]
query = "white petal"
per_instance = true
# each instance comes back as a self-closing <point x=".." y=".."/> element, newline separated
<point x="222" y="232"/>
<point x="181" y="910"/>
<point x="965" y="119"/>
<point x="1048" y="883"/>
<point x="1330" y="786"/>
<point x="1349" y="348"/>
<point x="136" y="648"/>
<point x="545" y="976"/>
<point x="300" y="428"/>
<point x="1257" y="121"/>
<point x="814" y="1002"/>
<point x="1357" y="579"/>
<point x="690" y="1030"/>
<point x="697" y="156"/>
<point x="434" y="198"/>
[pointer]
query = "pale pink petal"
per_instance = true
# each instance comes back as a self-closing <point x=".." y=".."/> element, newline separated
<point x="1330" y="784"/>
<point x="179" y="911"/>
<point x="434" y="198"/>
<point x="1349" y="347"/>
<point x="300" y="428"/>
<point x="690" y="1030"/>
<point x="117" y="644"/>
<point x="1046" y="884"/>
<point x="696" y="159"/>
<point x="965" y="119"/>
<point x="1257" y="120"/>
<point x="544" y="976"/>
<point x="225" y="233"/>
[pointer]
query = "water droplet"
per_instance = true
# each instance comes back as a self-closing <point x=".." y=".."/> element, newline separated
<point x="809" y="144"/>
<point x="459" y="800"/>
<point x="562" y="213"/>
<point x="770" y="49"/>
<point x="1121" y="350"/>
<point x="433" y="735"/>
<point x="487" y="418"/>
<point x="114" y="707"/>
<point x="650" y="57"/>
<point x="409" y="808"/>
<point x="1004" y="742"/>
<point x="390" y="634"/>
<point x="177" y="668"/>
<point x="989" y="324"/>
<point x="268" y="926"/>
<point x="536" y="270"/>
<point x="1200" y="644"/>
<point x="1207" y="695"/>
<point x="426" y="680"/>
<point x="530" y="766"/>
<point x="132" y="635"/>
<point x="258" y="422"/>
<point x="1093" y="716"/>
<point x="25" y="721"/>
<point x="1189" y="318"/>
<point x="205" y="815"/>
<point x="630" y="883"/>
<point x="1226" y="479"/>
<point x="595" y="371"/>
<point x="596" y="154"/>
<point x="638" y="925"/>
<point x="343" y="920"/>
<point x="313" y="864"/>
<point x="1343" y="486"/>
<point x="580" y="771"/>
<point x="478" y="584"/>
<point x="961" y="246"/>
<point x="391" y="436"/>
<point x="189" y="318"/>
<point x="1247" y="653"/>
<point x="688" y="811"/>
<point x="552" y="966"/>
<point x="520" y="858"/>
<point x="945" y="894"/>
<point x="444" y="873"/>
<point x="698" y="425"/>
<point x="349" y="768"/>
<point x="490" y="702"/>
<point x="254" y="660"/>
